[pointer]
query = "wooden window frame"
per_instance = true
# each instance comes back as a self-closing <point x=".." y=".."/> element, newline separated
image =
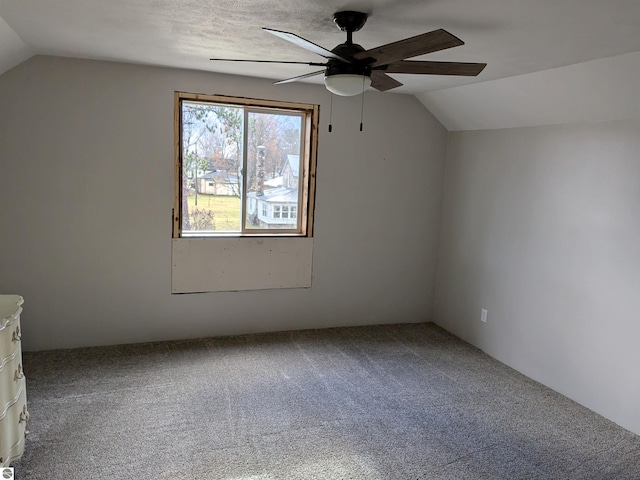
<point x="310" y="116"/>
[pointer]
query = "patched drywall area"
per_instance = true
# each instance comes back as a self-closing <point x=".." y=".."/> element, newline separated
<point x="86" y="152"/>
<point x="541" y="229"/>
<point x="234" y="264"/>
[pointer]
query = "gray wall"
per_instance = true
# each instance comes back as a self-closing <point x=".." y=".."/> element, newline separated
<point x="541" y="226"/>
<point x="86" y="188"/>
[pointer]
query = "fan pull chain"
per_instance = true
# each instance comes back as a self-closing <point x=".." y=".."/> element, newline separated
<point x="362" y="104"/>
<point x="330" y="112"/>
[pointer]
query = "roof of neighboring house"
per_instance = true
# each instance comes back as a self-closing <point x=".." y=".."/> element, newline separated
<point x="277" y="195"/>
<point x="274" y="182"/>
<point x="220" y="177"/>
<point x="294" y="163"/>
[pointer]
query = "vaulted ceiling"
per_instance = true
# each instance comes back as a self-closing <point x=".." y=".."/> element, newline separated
<point x="514" y="37"/>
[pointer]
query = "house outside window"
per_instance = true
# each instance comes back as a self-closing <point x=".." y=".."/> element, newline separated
<point x="237" y="161"/>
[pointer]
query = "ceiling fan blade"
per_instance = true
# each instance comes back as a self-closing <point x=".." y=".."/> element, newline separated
<point x="434" y="68"/>
<point x="313" y="64"/>
<point x="301" y="42"/>
<point x="299" y="77"/>
<point x="383" y="82"/>
<point x="410" y="47"/>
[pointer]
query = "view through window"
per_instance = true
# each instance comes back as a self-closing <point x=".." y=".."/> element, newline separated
<point x="243" y="167"/>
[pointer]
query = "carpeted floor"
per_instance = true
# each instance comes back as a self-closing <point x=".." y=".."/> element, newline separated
<point x="386" y="402"/>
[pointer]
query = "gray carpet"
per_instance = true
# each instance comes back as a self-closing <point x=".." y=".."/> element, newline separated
<point x="386" y="402"/>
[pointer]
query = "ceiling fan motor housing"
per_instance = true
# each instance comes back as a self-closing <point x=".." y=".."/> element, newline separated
<point x="336" y="67"/>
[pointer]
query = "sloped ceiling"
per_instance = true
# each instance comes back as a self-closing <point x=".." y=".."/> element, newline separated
<point x="600" y="90"/>
<point x="514" y="37"/>
<point x="12" y="49"/>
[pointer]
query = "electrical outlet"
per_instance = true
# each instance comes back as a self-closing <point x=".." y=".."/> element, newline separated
<point x="483" y="316"/>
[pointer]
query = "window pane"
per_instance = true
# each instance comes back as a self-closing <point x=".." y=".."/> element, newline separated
<point x="238" y="159"/>
<point x="211" y="163"/>
<point x="273" y="168"/>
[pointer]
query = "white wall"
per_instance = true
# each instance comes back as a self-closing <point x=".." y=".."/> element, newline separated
<point x="541" y="226"/>
<point x="86" y="189"/>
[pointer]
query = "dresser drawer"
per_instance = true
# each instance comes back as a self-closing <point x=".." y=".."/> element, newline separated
<point x="13" y="428"/>
<point x="10" y="361"/>
<point x="10" y="337"/>
<point x="12" y="377"/>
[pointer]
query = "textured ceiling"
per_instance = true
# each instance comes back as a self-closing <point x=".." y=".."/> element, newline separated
<point x="514" y="37"/>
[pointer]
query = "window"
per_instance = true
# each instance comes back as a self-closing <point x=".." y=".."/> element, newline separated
<point x="261" y="154"/>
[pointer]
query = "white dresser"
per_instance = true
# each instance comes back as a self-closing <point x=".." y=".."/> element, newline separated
<point x="13" y="395"/>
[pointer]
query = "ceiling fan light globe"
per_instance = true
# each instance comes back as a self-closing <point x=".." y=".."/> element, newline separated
<point x="347" y="85"/>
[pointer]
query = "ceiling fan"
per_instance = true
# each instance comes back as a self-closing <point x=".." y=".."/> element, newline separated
<point x="350" y="69"/>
